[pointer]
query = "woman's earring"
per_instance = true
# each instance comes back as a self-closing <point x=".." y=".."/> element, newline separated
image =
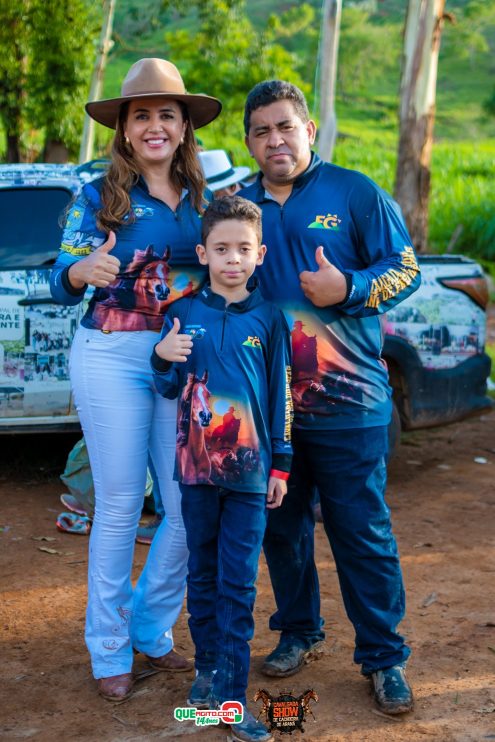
<point x="127" y="140"/>
<point x="182" y="140"/>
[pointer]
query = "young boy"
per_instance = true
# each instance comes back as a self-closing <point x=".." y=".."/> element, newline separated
<point x="225" y="354"/>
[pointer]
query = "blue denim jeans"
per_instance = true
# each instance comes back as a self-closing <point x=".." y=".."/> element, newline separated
<point x="224" y="532"/>
<point x="124" y="420"/>
<point x="348" y="469"/>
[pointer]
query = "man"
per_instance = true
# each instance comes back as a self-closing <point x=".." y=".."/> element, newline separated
<point x="338" y="256"/>
<point x="222" y="177"/>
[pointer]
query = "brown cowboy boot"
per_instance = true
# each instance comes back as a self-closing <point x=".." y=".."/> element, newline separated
<point x="116" y="688"/>
<point x="170" y="662"/>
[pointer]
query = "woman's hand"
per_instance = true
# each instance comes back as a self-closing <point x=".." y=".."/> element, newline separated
<point x="277" y="489"/>
<point x="98" y="269"/>
<point x="174" y="347"/>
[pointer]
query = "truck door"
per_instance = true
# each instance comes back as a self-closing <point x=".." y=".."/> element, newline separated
<point x="35" y="333"/>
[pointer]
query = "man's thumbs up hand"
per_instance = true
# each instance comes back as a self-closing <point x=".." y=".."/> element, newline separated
<point x="327" y="285"/>
<point x="174" y="347"/>
<point x="97" y="269"/>
<point x="321" y="260"/>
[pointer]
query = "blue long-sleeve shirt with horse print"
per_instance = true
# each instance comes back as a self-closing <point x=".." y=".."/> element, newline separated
<point x="158" y="263"/>
<point x="339" y="380"/>
<point x="235" y="408"/>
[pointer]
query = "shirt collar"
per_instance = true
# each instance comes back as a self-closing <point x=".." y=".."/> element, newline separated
<point x="263" y="195"/>
<point x="216" y="301"/>
<point x="144" y="186"/>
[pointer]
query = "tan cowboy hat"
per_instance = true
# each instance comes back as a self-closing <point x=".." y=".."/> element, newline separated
<point x="150" y="78"/>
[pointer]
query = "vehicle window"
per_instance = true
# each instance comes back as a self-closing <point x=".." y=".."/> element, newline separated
<point x="30" y="234"/>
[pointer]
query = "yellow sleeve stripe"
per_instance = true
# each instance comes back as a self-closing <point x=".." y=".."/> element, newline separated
<point x="78" y="251"/>
<point x="394" y="281"/>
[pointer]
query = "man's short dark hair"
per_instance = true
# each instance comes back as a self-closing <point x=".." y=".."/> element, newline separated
<point x="230" y="207"/>
<point x="271" y="91"/>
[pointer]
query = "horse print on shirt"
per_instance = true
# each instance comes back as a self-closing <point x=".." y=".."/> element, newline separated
<point x="137" y="296"/>
<point x="213" y="445"/>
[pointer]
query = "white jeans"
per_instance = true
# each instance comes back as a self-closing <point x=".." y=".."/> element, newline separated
<point x="123" y="418"/>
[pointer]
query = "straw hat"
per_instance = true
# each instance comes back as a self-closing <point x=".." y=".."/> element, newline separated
<point x="219" y="171"/>
<point x="150" y="78"/>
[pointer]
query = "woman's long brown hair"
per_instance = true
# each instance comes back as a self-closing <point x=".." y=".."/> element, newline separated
<point x="123" y="174"/>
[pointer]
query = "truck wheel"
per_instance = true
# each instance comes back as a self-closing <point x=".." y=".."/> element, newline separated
<point x="394" y="431"/>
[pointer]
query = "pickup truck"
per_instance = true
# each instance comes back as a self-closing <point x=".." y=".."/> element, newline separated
<point x="35" y="333"/>
<point x="433" y="345"/>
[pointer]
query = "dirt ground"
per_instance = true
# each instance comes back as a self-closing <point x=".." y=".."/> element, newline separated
<point x="443" y="507"/>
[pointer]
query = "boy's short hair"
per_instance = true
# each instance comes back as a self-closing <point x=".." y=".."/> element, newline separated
<point x="271" y="91"/>
<point x="230" y="207"/>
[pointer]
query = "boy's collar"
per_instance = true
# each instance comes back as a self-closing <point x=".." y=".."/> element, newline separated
<point x="212" y="299"/>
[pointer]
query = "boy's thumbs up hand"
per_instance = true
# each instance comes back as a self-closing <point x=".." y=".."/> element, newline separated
<point x="174" y="347"/>
<point x="325" y="286"/>
<point x="97" y="269"/>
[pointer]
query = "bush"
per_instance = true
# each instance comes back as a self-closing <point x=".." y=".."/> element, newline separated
<point x="462" y="190"/>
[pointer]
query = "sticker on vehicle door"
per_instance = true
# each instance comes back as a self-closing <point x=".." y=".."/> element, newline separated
<point x="35" y="339"/>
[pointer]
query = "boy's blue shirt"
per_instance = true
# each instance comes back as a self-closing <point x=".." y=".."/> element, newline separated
<point x="235" y="407"/>
<point x="339" y="379"/>
<point x="158" y="262"/>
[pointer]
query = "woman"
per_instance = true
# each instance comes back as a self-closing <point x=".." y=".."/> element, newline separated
<point x="131" y="235"/>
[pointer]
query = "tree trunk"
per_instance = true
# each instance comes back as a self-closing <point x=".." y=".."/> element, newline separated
<point x="55" y="151"/>
<point x="105" y="44"/>
<point x="12" y="92"/>
<point x="13" y="153"/>
<point x="332" y="10"/>
<point x="417" y="114"/>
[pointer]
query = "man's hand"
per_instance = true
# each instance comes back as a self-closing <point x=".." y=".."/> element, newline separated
<point x="174" y="347"/>
<point x="277" y="488"/>
<point x="97" y="269"/>
<point x="327" y="285"/>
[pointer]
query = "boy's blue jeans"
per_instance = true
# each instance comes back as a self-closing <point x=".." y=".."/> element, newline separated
<point x="224" y="535"/>
<point x="348" y="467"/>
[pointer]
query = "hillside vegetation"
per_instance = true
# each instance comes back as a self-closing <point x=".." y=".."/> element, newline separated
<point x="463" y="171"/>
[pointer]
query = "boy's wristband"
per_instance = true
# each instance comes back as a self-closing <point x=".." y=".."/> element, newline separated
<point x="280" y="474"/>
<point x="160" y="364"/>
<point x="281" y="461"/>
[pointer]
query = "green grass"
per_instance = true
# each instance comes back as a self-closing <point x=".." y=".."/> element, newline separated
<point x="462" y="191"/>
<point x="490" y="349"/>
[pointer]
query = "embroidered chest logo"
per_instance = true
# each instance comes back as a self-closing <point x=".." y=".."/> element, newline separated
<point x="326" y="221"/>
<point x="140" y="210"/>
<point x="253" y="341"/>
<point x="195" y="331"/>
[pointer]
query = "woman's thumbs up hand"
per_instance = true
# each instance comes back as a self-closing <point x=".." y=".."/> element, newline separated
<point x="100" y="268"/>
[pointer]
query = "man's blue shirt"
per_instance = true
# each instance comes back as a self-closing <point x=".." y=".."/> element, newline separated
<point x="339" y="379"/>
